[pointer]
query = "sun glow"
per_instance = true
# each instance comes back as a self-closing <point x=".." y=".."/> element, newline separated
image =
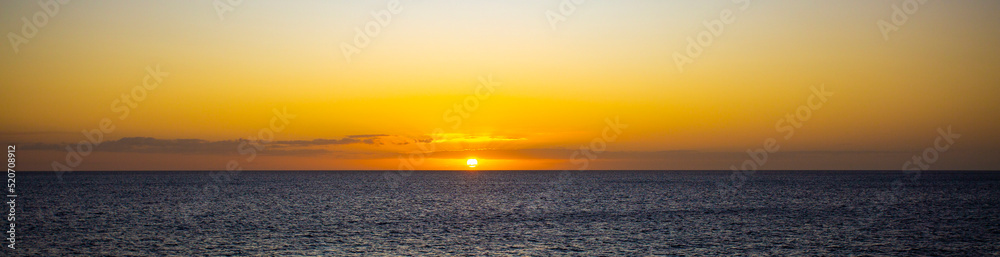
<point x="472" y="163"/>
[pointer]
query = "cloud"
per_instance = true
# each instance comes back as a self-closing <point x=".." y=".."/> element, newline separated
<point x="24" y="133"/>
<point x="150" y="145"/>
<point x="372" y="139"/>
<point x="466" y="138"/>
<point x="200" y="146"/>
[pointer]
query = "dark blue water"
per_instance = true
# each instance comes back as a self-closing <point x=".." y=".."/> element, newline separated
<point x="630" y="213"/>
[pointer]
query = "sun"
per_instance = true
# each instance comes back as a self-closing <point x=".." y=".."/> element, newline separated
<point x="472" y="163"/>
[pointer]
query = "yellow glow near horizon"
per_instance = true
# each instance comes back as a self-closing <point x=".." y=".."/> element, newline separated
<point x="472" y="163"/>
<point x="555" y="86"/>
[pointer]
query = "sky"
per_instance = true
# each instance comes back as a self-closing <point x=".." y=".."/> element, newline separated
<point x="524" y="84"/>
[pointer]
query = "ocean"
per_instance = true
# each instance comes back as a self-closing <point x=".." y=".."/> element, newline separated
<point x="497" y="213"/>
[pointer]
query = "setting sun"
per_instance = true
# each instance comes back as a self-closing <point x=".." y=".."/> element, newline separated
<point x="634" y="127"/>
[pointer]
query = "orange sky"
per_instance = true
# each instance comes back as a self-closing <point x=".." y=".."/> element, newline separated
<point x="515" y="84"/>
